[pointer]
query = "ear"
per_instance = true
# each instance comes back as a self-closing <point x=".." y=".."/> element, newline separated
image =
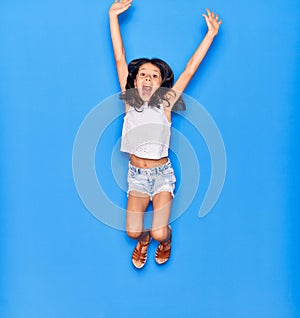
<point x="134" y="83"/>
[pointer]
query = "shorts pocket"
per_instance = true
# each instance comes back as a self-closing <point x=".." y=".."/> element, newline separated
<point x="131" y="174"/>
<point x="169" y="174"/>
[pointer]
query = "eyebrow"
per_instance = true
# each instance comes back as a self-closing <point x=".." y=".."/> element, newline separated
<point x="143" y="69"/>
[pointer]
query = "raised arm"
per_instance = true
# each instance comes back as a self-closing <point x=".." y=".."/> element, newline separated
<point x="194" y="62"/>
<point x="117" y="8"/>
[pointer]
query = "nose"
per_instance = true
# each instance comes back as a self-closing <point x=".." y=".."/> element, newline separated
<point x="148" y="78"/>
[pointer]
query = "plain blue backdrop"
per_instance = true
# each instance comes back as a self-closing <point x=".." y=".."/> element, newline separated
<point x="241" y="260"/>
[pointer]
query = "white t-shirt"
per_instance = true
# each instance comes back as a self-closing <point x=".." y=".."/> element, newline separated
<point x="146" y="132"/>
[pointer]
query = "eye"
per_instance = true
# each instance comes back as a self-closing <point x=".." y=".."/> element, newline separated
<point x="155" y="76"/>
<point x="142" y="74"/>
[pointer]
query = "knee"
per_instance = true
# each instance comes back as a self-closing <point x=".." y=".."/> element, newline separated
<point x="134" y="234"/>
<point x="160" y="234"/>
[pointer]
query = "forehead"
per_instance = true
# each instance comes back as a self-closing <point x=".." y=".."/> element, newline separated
<point x="149" y="67"/>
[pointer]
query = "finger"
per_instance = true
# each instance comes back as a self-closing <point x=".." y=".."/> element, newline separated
<point x="220" y="22"/>
<point x="217" y="17"/>
<point x="128" y="3"/>
<point x="208" y="12"/>
<point x="126" y="7"/>
<point x="205" y="17"/>
<point x="213" y="14"/>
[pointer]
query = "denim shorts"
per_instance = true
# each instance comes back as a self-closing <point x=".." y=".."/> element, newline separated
<point x="151" y="180"/>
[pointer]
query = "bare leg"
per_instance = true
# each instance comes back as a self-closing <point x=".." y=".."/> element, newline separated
<point x="160" y="230"/>
<point x="136" y="206"/>
<point x="162" y="207"/>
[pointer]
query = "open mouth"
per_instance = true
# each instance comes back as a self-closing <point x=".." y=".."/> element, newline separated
<point x="147" y="90"/>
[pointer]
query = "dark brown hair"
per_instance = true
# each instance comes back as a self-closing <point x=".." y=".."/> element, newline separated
<point x="131" y="94"/>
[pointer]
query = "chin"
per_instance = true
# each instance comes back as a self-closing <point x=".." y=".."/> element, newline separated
<point x="145" y="98"/>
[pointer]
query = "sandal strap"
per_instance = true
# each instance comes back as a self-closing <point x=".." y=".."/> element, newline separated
<point x="163" y="250"/>
<point x="138" y="255"/>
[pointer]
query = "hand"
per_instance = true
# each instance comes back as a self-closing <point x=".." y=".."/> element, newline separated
<point x="212" y="22"/>
<point x="119" y="6"/>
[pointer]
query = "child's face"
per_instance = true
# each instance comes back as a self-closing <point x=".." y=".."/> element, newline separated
<point x="148" y="80"/>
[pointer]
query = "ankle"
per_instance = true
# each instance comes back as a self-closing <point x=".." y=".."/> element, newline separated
<point x="144" y="237"/>
<point x="169" y="235"/>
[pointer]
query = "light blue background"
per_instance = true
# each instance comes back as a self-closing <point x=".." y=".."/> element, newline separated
<point x="240" y="261"/>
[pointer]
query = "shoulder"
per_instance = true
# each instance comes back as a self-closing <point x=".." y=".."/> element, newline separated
<point x="127" y="107"/>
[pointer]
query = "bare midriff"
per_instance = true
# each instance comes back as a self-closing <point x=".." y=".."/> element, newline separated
<point x="147" y="163"/>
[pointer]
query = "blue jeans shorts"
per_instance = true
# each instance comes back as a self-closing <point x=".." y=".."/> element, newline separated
<point x="151" y="180"/>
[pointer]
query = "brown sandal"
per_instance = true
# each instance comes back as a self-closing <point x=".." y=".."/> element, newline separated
<point x="163" y="250"/>
<point x="139" y="258"/>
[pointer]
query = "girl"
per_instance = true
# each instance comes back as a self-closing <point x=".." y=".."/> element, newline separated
<point x="149" y="96"/>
